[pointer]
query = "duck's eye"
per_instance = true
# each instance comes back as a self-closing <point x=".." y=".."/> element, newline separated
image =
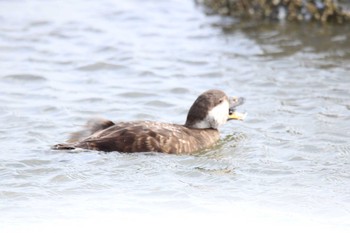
<point x="220" y="101"/>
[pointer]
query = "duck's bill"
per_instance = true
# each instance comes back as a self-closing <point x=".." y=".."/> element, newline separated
<point x="236" y="101"/>
<point x="233" y="114"/>
<point x="237" y="116"/>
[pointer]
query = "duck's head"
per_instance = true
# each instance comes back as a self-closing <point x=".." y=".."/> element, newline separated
<point x="212" y="109"/>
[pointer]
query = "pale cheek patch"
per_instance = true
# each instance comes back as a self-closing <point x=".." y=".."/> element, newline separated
<point x="218" y="115"/>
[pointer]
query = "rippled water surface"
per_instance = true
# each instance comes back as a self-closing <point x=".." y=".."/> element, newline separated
<point x="62" y="63"/>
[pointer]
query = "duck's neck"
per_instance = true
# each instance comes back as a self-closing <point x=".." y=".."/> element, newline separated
<point x="202" y="138"/>
<point x="198" y="125"/>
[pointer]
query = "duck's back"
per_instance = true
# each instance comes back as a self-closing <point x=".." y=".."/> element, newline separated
<point x="143" y="136"/>
<point x="148" y="136"/>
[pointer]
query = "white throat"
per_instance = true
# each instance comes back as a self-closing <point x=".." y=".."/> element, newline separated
<point x="216" y="117"/>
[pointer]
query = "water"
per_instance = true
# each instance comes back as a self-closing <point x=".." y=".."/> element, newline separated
<point x="285" y="168"/>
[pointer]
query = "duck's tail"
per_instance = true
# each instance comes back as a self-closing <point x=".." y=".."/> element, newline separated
<point x="91" y="127"/>
<point x="63" y="147"/>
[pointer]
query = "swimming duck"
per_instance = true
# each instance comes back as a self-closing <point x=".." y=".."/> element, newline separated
<point x="210" y="110"/>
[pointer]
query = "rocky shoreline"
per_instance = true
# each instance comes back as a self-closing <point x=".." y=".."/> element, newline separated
<point x="291" y="10"/>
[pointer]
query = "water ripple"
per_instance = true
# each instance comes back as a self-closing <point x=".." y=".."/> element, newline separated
<point x="101" y="66"/>
<point x="24" y="78"/>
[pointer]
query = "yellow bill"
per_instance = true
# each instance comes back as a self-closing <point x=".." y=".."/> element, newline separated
<point x="237" y="116"/>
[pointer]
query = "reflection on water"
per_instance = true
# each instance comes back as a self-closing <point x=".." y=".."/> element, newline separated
<point x="132" y="60"/>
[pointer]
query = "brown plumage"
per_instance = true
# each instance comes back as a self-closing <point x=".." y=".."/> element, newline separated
<point x="199" y="132"/>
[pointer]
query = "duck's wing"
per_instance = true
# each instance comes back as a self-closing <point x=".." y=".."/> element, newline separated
<point x="145" y="136"/>
<point x="150" y="137"/>
<point x="132" y="137"/>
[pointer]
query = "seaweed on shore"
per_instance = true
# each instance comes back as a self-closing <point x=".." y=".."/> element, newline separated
<point x="291" y="10"/>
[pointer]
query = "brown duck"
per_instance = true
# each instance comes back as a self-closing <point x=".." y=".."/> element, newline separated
<point x="210" y="110"/>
